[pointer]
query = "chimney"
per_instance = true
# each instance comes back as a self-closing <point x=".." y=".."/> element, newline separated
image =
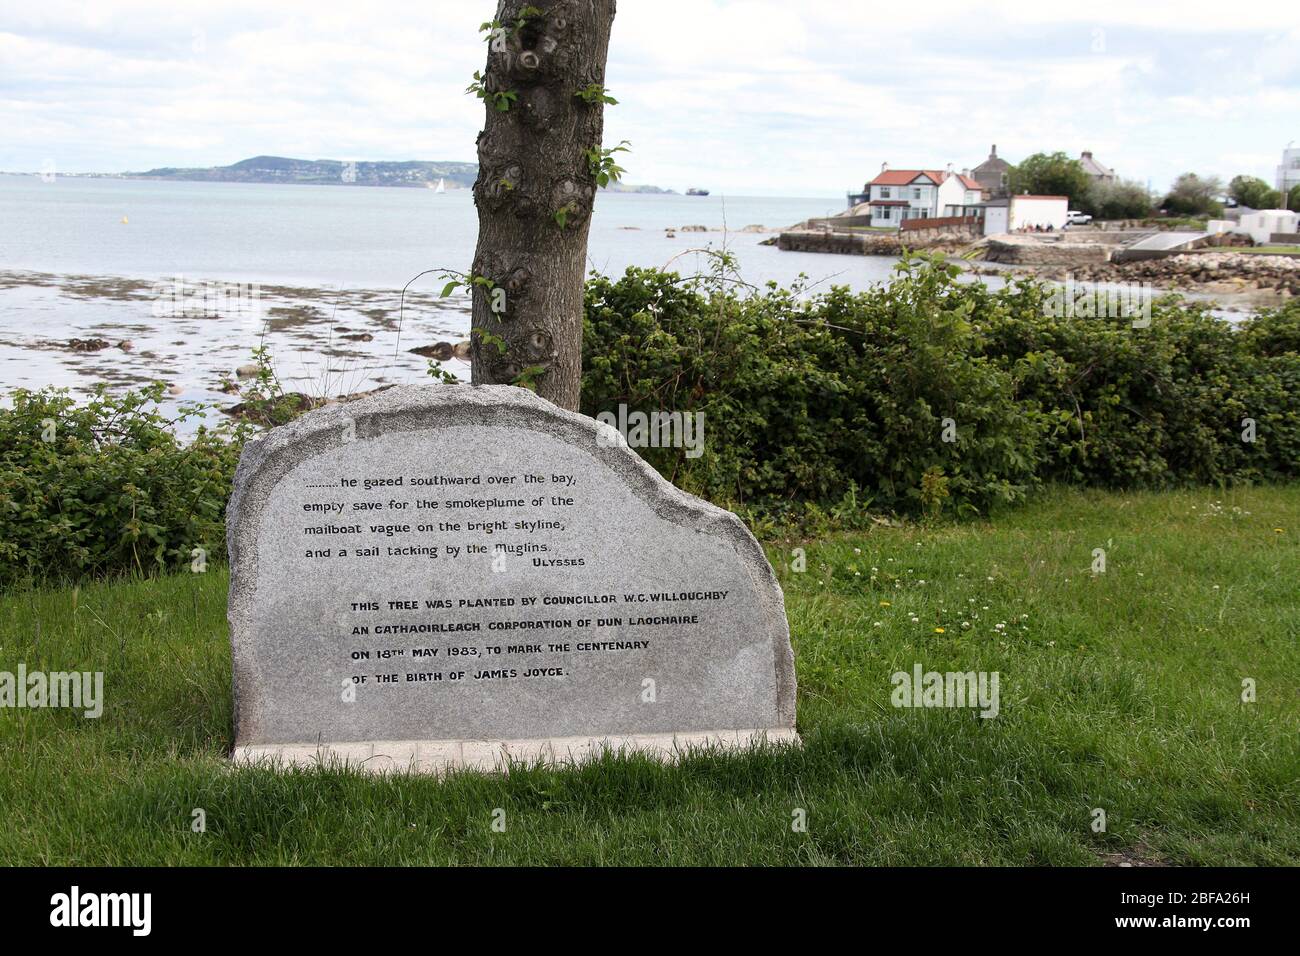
<point x="884" y="167"/>
<point x="1087" y="154"/>
<point x="966" y="172"/>
<point x="993" y="153"/>
<point x="949" y="167"/>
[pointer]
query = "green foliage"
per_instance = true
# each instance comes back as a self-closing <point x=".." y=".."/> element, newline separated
<point x="440" y="375"/>
<point x="1192" y="195"/>
<point x="1254" y="192"/>
<point x="561" y="215"/>
<point x="457" y="280"/>
<point x="502" y="100"/>
<point x="528" y="377"/>
<point x="1118" y="199"/>
<point x="1293" y="199"/>
<point x="602" y="166"/>
<point x="106" y="486"/>
<point x="264" y="401"/>
<point x="929" y="396"/>
<point x="807" y="402"/>
<point x="490" y="338"/>
<point x="1052" y="174"/>
<point x="594" y="93"/>
<point x="495" y="28"/>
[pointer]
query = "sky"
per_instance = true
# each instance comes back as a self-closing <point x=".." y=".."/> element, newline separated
<point x="795" y="98"/>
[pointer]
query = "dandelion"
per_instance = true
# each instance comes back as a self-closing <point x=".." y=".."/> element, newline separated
<point x="938" y="630"/>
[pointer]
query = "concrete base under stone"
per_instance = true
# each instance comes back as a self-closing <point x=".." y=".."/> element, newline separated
<point x="496" y="756"/>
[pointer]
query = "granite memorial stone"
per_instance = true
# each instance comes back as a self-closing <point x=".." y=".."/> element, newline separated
<point x="464" y="576"/>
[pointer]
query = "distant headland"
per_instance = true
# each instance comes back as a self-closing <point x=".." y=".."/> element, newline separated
<point x="332" y="172"/>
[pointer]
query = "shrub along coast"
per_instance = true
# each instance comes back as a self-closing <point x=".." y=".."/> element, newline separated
<point x="928" y="396"/>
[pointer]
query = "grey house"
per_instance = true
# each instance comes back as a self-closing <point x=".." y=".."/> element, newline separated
<point x="992" y="175"/>
<point x="1095" y="169"/>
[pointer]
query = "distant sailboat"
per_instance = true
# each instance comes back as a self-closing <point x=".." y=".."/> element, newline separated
<point x="441" y="187"/>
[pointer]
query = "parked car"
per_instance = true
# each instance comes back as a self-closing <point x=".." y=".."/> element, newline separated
<point x="1076" y="218"/>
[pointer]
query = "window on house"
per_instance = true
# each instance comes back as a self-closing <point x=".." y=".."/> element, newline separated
<point x="884" y="192"/>
<point x="916" y="192"/>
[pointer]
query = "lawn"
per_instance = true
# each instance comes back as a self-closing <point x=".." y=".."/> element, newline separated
<point x="1119" y="691"/>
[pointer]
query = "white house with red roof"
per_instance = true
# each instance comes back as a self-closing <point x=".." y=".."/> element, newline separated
<point x="897" y="195"/>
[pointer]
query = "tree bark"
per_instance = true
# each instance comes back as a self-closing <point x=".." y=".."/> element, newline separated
<point x="533" y="167"/>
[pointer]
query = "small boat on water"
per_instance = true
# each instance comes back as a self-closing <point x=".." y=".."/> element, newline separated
<point x="695" y="191"/>
<point x="441" y="187"/>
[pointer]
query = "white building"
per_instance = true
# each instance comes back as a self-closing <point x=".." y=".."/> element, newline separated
<point x="897" y="195"/>
<point x="1025" y="212"/>
<point x="1288" y="174"/>
<point x="1261" y="224"/>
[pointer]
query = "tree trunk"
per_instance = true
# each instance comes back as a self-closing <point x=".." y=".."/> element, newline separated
<point x="535" y="191"/>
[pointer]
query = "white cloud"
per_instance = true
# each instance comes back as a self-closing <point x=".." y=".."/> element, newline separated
<point x="752" y="96"/>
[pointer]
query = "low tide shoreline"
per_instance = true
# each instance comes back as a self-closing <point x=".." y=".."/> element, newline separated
<point x="78" y="330"/>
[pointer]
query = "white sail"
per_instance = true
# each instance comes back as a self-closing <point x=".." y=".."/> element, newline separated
<point x="442" y="187"/>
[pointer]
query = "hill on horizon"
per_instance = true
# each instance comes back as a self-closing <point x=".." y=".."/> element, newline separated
<point x="333" y="172"/>
<point x="323" y="172"/>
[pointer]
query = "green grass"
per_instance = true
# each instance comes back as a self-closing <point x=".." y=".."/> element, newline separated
<point x="1119" y="690"/>
<point x="1272" y="250"/>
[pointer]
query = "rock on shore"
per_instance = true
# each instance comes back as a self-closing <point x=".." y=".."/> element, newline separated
<point x="1206" y="272"/>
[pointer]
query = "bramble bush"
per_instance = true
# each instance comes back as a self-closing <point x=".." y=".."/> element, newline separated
<point x="829" y="403"/>
<point x="107" y="486"/>
<point x="818" y="409"/>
